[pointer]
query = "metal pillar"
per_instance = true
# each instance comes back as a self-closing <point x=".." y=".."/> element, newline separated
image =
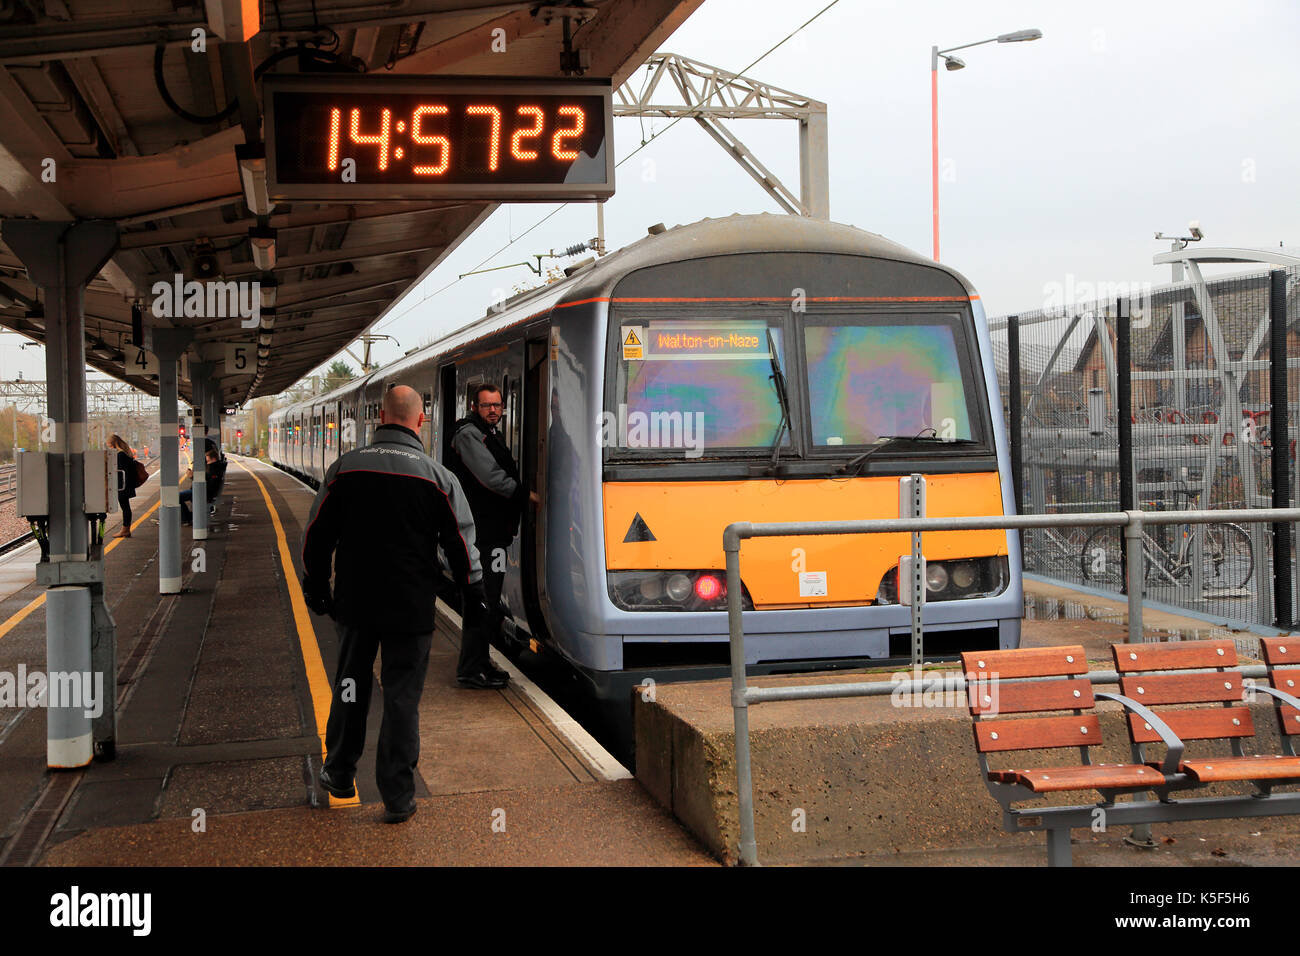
<point x="168" y="344"/>
<point x="814" y="165"/>
<point x="199" y="503"/>
<point x="61" y="257"/>
<point x="1281" y="441"/>
<point x="1017" y="423"/>
<point x="1124" y="419"/>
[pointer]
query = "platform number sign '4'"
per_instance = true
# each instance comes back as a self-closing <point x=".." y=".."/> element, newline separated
<point x="240" y="357"/>
<point x="140" y="362"/>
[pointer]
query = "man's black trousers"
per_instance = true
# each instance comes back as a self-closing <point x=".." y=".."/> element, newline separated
<point x="403" y="664"/>
<point x="474" y="641"/>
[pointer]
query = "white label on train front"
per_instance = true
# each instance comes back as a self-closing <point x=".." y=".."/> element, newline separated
<point x="812" y="584"/>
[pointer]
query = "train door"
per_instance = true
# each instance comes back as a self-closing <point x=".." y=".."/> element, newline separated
<point x="536" y="424"/>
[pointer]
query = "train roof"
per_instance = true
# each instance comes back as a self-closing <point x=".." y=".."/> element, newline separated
<point x="730" y="235"/>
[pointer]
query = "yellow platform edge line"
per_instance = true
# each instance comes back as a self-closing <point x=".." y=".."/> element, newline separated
<point x="317" y="683"/>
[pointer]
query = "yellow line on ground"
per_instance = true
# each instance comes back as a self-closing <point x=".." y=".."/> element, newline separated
<point x="317" y="683"/>
<point x="19" y="616"/>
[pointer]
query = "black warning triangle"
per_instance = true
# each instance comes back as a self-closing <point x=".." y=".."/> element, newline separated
<point x="638" y="530"/>
<point x="631" y="338"/>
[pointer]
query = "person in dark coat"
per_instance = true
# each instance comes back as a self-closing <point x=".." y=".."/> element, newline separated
<point x="126" y="483"/>
<point x="382" y="513"/>
<point x="487" y="472"/>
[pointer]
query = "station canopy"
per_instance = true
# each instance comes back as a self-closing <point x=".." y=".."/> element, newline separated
<point x="153" y="118"/>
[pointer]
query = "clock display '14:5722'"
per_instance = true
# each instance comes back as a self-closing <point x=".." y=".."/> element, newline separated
<point x="475" y="142"/>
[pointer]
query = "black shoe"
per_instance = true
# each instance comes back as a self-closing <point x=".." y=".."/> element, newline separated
<point x="334" y="788"/>
<point x="399" y="816"/>
<point x="482" y="679"/>
<point x="493" y="671"/>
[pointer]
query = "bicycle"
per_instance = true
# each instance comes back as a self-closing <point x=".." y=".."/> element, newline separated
<point x="1229" y="560"/>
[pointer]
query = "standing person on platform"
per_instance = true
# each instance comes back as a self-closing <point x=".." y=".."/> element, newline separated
<point x="382" y="513"/>
<point x="488" y="473"/>
<point x="126" y="481"/>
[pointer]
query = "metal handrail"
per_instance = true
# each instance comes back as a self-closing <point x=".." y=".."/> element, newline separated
<point x="742" y="696"/>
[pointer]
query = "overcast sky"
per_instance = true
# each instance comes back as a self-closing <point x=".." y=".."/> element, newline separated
<point x="1063" y="156"/>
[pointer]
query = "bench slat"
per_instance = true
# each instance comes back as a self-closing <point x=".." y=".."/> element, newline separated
<point x="1011" y="697"/>
<point x="1205" y="723"/>
<point x="1037" y="733"/>
<point x="1287" y="681"/>
<point x="1182" y="688"/>
<point x="1211" y="769"/>
<point x="1026" y="662"/>
<point x="1091" y="777"/>
<point x="1281" y="651"/>
<point x="1176" y="655"/>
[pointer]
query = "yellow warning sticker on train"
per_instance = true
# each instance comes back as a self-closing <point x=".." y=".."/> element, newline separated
<point x="633" y="342"/>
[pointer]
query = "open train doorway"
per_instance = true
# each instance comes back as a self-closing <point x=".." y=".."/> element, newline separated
<point x="447" y="409"/>
<point x="536" y="424"/>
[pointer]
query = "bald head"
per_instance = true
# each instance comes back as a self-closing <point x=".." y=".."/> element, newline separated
<point x="402" y="406"/>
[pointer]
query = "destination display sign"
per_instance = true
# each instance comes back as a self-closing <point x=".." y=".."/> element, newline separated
<point x="695" y="340"/>
<point x="363" y="137"/>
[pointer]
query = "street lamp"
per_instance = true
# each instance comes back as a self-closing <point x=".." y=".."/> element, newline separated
<point x="955" y="63"/>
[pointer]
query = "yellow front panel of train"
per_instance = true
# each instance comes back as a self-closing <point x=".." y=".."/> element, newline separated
<point x="687" y="518"/>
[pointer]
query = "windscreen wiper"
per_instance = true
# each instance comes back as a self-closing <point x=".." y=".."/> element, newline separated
<point x="778" y="381"/>
<point x="854" y="465"/>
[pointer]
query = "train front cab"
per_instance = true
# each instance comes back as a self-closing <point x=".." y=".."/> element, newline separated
<point x="874" y="347"/>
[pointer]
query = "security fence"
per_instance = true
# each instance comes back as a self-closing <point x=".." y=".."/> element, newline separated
<point x="1192" y="364"/>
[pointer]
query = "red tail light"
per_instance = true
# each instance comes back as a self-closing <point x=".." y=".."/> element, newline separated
<point x="707" y="588"/>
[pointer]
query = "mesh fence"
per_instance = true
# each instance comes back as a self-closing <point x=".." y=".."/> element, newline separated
<point x="1201" y="404"/>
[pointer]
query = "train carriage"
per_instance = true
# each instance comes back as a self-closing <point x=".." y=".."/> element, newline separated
<point x="752" y="368"/>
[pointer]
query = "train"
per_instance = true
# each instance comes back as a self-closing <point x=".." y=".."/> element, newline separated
<point x="746" y="368"/>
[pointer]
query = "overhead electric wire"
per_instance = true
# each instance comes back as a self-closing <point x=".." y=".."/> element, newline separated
<point x="644" y="144"/>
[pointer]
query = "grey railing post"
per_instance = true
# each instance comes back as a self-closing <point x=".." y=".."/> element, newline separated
<point x="913" y="490"/>
<point x="1136" y="570"/>
<point x="740" y="707"/>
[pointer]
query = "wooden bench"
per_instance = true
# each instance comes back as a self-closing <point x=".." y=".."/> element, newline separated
<point x="1011" y="692"/>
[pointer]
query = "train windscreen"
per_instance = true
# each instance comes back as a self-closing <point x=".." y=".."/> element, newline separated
<point x="694" y="384"/>
<point x="876" y="376"/>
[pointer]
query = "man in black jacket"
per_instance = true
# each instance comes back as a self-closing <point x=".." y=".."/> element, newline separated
<point x="487" y="472"/>
<point x="382" y="512"/>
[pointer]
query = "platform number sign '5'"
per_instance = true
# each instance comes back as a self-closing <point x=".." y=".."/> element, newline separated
<point x="240" y="357"/>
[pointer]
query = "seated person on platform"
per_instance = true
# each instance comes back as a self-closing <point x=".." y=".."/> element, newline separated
<point x="186" y="496"/>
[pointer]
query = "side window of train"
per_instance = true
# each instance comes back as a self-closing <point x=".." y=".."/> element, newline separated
<point x="511" y="393"/>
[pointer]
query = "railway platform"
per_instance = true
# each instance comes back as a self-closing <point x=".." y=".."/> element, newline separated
<point x="223" y="694"/>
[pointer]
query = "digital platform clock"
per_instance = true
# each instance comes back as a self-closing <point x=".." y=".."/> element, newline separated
<point x="358" y="137"/>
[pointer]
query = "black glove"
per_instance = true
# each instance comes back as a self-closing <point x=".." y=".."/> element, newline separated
<point x="317" y="596"/>
<point x="474" y="605"/>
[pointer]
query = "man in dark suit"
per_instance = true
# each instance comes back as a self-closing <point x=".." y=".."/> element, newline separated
<point x="382" y="513"/>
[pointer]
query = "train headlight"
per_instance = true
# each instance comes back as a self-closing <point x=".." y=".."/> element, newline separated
<point x="953" y="580"/>
<point x="936" y="577"/>
<point x="652" y="587"/>
<point x="678" y="588"/>
<point x="672" y="591"/>
<point x="964" y="574"/>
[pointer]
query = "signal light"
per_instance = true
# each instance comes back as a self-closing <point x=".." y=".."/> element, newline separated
<point x="239" y="433"/>
<point x="182" y="431"/>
